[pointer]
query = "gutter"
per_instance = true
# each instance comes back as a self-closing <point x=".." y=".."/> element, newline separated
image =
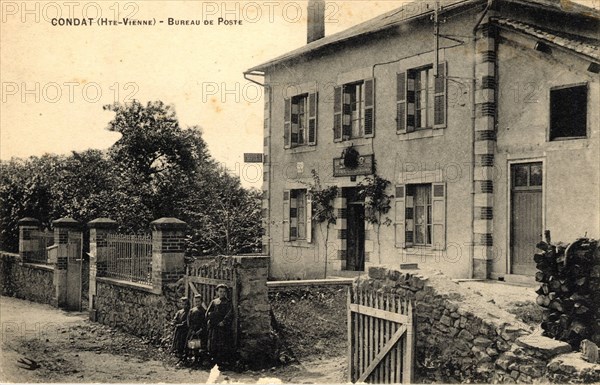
<point x="489" y="4"/>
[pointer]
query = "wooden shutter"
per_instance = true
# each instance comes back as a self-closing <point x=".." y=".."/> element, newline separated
<point x="287" y="124"/>
<point x="313" y="102"/>
<point x="369" y="107"/>
<point x="401" y="102"/>
<point x="286" y="215"/>
<point x="346" y="114"/>
<point x="409" y="217"/>
<point x="295" y="122"/>
<point x="309" y="217"/>
<point x="410" y="101"/>
<point x="293" y="215"/>
<point x="440" y="104"/>
<point x="399" y="222"/>
<point x="337" y="114"/>
<point x="438" y="216"/>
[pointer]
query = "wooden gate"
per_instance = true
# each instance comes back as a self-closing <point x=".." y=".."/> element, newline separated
<point x="202" y="277"/>
<point x="380" y="337"/>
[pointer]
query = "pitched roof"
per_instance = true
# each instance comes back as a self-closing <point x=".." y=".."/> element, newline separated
<point x="583" y="46"/>
<point x="412" y="11"/>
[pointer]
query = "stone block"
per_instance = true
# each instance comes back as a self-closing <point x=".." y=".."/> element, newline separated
<point x="505" y="360"/>
<point x="546" y="346"/>
<point x="464" y="334"/>
<point x="445" y="320"/>
<point x="534" y="371"/>
<point x="378" y="272"/>
<point x="482" y="342"/>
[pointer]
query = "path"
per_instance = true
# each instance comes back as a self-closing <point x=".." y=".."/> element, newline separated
<point x="70" y="348"/>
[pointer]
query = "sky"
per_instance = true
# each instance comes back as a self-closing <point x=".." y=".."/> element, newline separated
<point x="56" y="78"/>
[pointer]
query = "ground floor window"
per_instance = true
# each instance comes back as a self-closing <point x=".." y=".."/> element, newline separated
<point x="297" y="215"/>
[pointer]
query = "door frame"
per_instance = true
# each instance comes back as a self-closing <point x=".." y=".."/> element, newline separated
<point x="510" y="163"/>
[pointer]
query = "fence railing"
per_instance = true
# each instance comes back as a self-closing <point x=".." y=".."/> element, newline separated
<point x="129" y="258"/>
<point x="45" y="239"/>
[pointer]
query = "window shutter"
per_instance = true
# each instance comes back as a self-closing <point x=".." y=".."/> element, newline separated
<point x="309" y="217"/>
<point x="369" y="108"/>
<point x="346" y="114"/>
<point x="399" y="222"/>
<point x="438" y="216"/>
<point x="287" y="124"/>
<point x="337" y="114"/>
<point x="401" y="102"/>
<point x="286" y="215"/>
<point x="293" y="215"/>
<point x="409" y="218"/>
<point x="313" y="102"/>
<point x="440" y="99"/>
<point x="410" y="101"/>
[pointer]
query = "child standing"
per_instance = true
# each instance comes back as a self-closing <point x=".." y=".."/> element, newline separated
<point x="219" y="317"/>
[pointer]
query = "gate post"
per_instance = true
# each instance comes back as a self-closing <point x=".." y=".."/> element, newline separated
<point x="62" y="227"/>
<point x="28" y="245"/>
<point x="168" y="247"/>
<point x="99" y="229"/>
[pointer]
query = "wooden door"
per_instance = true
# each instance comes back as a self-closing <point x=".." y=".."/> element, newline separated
<point x="526" y="216"/>
<point x="74" y="272"/>
<point x="355" y="241"/>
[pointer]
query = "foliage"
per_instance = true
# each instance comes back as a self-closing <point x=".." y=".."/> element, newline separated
<point x="156" y="169"/>
<point x="322" y="199"/>
<point x="377" y="202"/>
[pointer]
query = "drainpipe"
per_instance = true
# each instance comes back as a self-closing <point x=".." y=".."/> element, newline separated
<point x="489" y="4"/>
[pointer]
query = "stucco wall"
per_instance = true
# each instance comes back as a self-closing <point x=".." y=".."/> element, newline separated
<point x="447" y="155"/>
<point x="26" y="281"/>
<point x="571" y="190"/>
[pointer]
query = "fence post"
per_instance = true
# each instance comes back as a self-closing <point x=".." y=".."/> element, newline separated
<point x="62" y="227"/>
<point x="99" y="229"/>
<point x="254" y="343"/>
<point x="29" y="246"/>
<point x="168" y="247"/>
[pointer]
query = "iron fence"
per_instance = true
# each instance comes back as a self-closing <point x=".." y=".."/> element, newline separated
<point x="129" y="258"/>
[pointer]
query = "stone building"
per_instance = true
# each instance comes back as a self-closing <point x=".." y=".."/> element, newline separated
<point x="483" y="115"/>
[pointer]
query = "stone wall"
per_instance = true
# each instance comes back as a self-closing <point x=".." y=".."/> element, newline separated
<point x="135" y="308"/>
<point x="26" y="281"/>
<point x="462" y="337"/>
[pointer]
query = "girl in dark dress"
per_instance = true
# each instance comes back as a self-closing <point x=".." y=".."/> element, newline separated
<point x="180" y="322"/>
<point x="219" y="317"/>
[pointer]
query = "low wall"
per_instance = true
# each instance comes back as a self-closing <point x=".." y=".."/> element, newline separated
<point x="25" y="280"/>
<point x="135" y="308"/>
<point x="462" y="337"/>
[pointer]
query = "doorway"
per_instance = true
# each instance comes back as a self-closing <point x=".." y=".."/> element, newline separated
<point x="355" y="241"/>
<point x="526" y="225"/>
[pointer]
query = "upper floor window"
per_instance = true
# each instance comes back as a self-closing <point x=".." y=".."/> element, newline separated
<point x="568" y="112"/>
<point x="300" y="120"/>
<point x="354" y="110"/>
<point x="421" y="99"/>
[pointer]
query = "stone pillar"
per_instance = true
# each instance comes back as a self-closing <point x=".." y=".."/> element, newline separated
<point x="62" y="227"/>
<point x="28" y="246"/>
<point x="168" y="246"/>
<point x="99" y="229"/>
<point x="254" y="342"/>
<point x="484" y="148"/>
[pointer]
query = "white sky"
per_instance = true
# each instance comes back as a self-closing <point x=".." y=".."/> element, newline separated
<point x="55" y="79"/>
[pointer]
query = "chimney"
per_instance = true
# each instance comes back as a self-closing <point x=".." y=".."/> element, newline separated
<point x="315" y="20"/>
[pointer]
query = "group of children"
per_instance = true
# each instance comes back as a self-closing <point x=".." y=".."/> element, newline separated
<point x="204" y="334"/>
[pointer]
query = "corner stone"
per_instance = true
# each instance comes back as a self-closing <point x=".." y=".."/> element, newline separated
<point x="547" y="346"/>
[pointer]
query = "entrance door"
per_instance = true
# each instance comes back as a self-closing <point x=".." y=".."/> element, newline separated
<point x="526" y="216"/>
<point x="355" y="242"/>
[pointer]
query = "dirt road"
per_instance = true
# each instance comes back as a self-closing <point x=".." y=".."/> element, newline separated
<point x="69" y="348"/>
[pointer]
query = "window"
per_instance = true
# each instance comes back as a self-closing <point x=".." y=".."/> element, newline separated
<point x="297" y="214"/>
<point x="527" y="176"/>
<point x="300" y="120"/>
<point x="354" y="110"/>
<point x="568" y="112"/>
<point x="421" y="99"/>
<point x="420" y="218"/>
